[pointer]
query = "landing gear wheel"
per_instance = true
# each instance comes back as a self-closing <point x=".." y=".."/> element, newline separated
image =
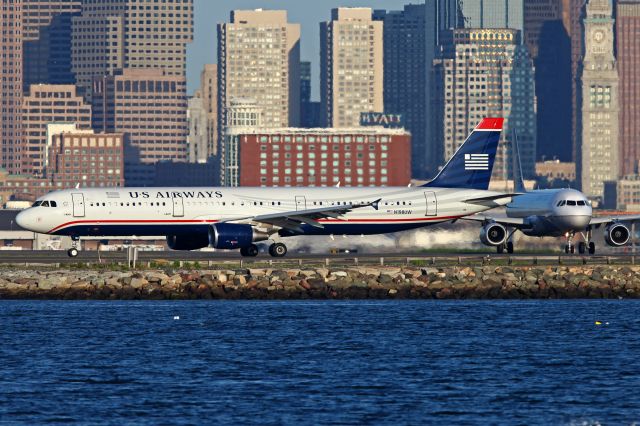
<point x="500" y="249"/>
<point x="509" y="246"/>
<point x="582" y="247"/>
<point x="251" y="251"/>
<point x="592" y="248"/>
<point x="277" y="250"/>
<point x="72" y="252"/>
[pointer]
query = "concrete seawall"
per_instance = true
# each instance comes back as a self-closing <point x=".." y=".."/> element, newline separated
<point x="487" y="282"/>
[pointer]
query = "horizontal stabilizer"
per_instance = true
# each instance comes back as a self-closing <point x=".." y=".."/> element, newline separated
<point x="491" y="198"/>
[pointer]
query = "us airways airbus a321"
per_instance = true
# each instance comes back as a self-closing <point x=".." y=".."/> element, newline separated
<point x="238" y="218"/>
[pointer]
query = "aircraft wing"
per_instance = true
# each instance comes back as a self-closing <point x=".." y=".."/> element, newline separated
<point x="293" y="220"/>
<point x="603" y="220"/>
<point x="516" y="222"/>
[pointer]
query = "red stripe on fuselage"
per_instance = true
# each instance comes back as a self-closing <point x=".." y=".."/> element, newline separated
<point x="100" y="222"/>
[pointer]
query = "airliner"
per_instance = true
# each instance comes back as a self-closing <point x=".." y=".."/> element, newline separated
<point x="549" y="213"/>
<point x="238" y="218"/>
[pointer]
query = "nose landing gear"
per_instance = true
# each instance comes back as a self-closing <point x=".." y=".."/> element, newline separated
<point x="569" y="247"/>
<point x="73" y="251"/>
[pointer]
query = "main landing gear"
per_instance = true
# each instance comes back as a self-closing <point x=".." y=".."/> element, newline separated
<point x="507" y="245"/>
<point x="587" y="245"/>
<point x="73" y="251"/>
<point x="250" y="251"/>
<point x="275" y="250"/>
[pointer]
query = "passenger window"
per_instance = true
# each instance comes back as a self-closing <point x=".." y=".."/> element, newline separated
<point x="571" y="202"/>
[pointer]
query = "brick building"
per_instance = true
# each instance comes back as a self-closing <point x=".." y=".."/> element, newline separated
<point x="324" y="157"/>
<point x="45" y="104"/>
<point x="91" y="160"/>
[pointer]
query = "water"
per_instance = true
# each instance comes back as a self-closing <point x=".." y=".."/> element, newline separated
<point x="319" y="362"/>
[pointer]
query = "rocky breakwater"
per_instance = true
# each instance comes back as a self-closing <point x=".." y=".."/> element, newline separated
<point x="321" y="283"/>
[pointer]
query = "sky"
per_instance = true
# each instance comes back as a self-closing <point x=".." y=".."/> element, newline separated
<point x="307" y="13"/>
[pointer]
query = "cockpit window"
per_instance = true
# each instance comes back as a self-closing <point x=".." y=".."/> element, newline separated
<point x="581" y="203"/>
<point x="45" y="204"/>
<point x="53" y="204"/>
<point x="36" y="204"/>
<point x="571" y="202"/>
<point x="561" y="203"/>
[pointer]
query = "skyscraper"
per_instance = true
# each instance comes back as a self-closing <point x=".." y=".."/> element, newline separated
<point x="628" y="56"/>
<point x="351" y="66"/>
<point x="548" y="42"/>
<point x="407" y="78"/>
<point x="114" y="34"/>
<point x="492" y="13"/>
<point x="11" y="87"/>
<point x="47" y="41"/>
<point x="150" y="107"/>
<point x="259" y="58"/>
<point x="599" y="153"/>
<point x="309" y="110"/>
<point x="572" y="15"/>
<point x="209" y="89"/>
<point x="486" y="72"/>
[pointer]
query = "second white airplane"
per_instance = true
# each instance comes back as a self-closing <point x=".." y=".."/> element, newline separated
<point x="238" y="218"/>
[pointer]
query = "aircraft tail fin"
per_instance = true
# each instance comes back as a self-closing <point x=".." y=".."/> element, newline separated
<point x="472" y="164"/>
<point x="518" y="181"/>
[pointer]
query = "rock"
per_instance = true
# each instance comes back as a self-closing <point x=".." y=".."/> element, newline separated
<point x="138" y="283"/>
<point x="239" y="280"/>
<point x="340" y="274"/>
<point x="392" y="291"/>
<point x="51" y="282"/>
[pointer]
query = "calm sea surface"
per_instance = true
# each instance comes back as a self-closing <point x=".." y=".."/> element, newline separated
<point x="454" y="362"/>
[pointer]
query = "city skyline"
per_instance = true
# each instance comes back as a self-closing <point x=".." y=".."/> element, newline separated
<point x="308" y="14"/>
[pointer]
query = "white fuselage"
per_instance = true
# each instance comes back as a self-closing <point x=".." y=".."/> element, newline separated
<point x="551" y="212"/>
<point x="185" y="211"/>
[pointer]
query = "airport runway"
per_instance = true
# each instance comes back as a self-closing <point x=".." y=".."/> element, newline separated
<point x="204" y="258"/>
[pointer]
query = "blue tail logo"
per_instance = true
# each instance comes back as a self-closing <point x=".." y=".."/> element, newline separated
<point x="472" y="164"/>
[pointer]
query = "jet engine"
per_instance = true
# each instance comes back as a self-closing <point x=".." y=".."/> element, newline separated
<point x="493" y="234"/>
<point x="616" y="234"/>
<point x="233" y="236"/>
<point x="187" y="242"/>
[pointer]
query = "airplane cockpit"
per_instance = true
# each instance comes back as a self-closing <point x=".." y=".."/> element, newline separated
<point x="45" y="203"/>
<point x="562" y="203"/>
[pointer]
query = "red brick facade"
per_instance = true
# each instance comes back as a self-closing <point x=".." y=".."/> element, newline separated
<point x="325" y="159"/>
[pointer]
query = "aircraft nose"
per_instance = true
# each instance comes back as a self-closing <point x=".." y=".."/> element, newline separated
<point x="21" y="219"/>
<point x="575" y="222"/>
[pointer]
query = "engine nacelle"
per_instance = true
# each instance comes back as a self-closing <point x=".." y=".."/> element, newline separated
<point x="493" y="234"/>
<point x="616" y="234"/>
<point x="232" y="236"/>
<point x="187" y="242"/>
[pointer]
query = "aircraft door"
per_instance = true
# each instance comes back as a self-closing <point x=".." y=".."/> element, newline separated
<point x="432" y="203"/>
<point x="78" y="205"/>
<point x="178" y="207"/>
<point x="301" y="202"/>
